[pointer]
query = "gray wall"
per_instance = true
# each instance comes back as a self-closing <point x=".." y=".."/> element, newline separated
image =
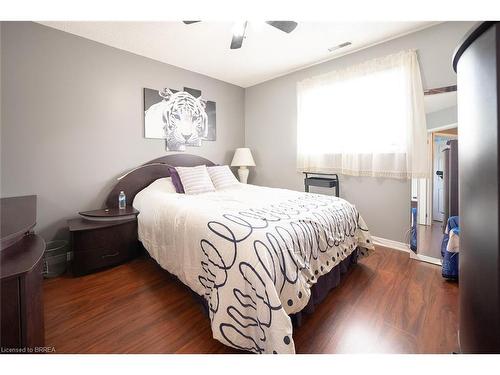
<point x="72" y="121"/>
<point x="270" y="127"/>
<point x="72" y="118"/>
<point x="443" y="117"/>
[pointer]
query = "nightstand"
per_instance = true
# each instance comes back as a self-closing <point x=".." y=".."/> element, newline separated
<point x="103" y="238"/>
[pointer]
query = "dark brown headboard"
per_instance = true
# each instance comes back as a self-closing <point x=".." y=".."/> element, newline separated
<point x="138" y="178"/>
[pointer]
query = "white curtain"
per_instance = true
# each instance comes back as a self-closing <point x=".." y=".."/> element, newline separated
<point x="366" y="120"/>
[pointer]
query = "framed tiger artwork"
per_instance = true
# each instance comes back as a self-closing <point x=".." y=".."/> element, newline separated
<point x="182" y="118"/>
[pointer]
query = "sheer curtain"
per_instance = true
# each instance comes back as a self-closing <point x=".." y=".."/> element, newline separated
<point x="366" y="120"/>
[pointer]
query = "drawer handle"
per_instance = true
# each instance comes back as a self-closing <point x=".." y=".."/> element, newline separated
<point x="110" y="255"/>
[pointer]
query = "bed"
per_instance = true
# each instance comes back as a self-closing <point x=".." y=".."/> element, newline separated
<point x="253" y="253"/>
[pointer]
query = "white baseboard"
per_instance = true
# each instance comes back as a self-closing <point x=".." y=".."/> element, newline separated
<point x="401" y="246"/>
<point x="425" y="258"/>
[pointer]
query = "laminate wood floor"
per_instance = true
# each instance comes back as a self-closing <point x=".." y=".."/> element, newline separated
<point x="429" y="238"/>
<point x="387" y="303"/>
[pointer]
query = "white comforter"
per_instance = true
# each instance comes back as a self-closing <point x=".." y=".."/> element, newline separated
<point x="252" y="252"/>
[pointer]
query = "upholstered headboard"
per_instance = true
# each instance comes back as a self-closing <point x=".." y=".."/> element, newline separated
<point x="140" y="177"/>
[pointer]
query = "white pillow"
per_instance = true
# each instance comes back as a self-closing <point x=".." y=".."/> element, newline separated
<point x="159" y="186"/>
<point x="165" y="185"/>
<point x="222" y="177"/>
<point x="195" y="180"/>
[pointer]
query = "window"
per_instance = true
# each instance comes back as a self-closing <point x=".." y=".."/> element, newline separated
<point x="367" y="120"/>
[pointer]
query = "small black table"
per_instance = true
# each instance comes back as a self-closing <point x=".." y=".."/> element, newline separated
<point x="320" y="181"/>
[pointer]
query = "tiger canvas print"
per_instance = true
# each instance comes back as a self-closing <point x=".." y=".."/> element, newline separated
<point x="182" y="118"/>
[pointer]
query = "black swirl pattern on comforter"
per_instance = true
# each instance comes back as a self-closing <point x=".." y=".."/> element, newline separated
<point x="274" y="255"/>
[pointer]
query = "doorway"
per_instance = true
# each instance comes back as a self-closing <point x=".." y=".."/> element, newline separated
<point x="429" y="228"/>
<point x="428" y="194"/>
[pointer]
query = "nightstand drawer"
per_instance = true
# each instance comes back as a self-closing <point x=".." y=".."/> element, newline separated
<point x="100" y="245"/>
<point x="104" y="238"/>
<point x="90" y="260"/>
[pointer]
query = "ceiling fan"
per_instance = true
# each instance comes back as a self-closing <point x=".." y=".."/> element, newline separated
<point x="240" y="29"/>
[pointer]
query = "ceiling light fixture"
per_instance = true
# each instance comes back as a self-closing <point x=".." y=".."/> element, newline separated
<point x="341" y="45"/>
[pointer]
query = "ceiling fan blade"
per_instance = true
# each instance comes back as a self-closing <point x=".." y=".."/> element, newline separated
<point x="237" y="41"/>
<point x="238" y="35"/>
<point x="190" y="22"/>
<point x="286" y="26"/>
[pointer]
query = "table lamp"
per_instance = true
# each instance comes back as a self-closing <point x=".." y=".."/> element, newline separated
<point x="243" y="159"/>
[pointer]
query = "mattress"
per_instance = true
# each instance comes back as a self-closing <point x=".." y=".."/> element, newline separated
<point x="253" y="253"/>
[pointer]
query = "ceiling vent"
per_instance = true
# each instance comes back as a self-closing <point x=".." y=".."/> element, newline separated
<point x="341" y="45"/>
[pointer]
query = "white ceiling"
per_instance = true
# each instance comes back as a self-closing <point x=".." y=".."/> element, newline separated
<point x="438" y="102"/>
<point x="266" y="53"/>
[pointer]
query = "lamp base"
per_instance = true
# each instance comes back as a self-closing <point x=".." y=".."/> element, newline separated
<point x="243" y="174"/>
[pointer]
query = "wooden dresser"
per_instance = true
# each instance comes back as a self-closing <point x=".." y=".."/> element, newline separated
<point x="21" y="267"/>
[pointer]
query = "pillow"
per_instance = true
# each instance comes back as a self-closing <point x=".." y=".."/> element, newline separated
<point x="222" y="177"/>
<point x="176" y="180"/>
<point x="195" y="180"/>
<point x="163" y="185"/>
<point x="160" y="186"/>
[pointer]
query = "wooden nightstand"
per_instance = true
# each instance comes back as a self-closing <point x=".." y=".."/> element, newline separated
<point x="107" y="239"/>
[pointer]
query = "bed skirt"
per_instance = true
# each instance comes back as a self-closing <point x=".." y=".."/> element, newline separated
<point x="323" y="286"/>
<point x="319" y="291"/>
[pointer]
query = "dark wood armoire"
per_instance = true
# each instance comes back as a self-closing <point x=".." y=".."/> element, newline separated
<point x="477" y="63"/>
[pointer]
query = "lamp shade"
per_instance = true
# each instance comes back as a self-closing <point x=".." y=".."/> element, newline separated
<point x="243" y="158"/>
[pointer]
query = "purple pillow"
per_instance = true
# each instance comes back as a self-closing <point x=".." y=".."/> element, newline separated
<point x="176" y="180"/>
